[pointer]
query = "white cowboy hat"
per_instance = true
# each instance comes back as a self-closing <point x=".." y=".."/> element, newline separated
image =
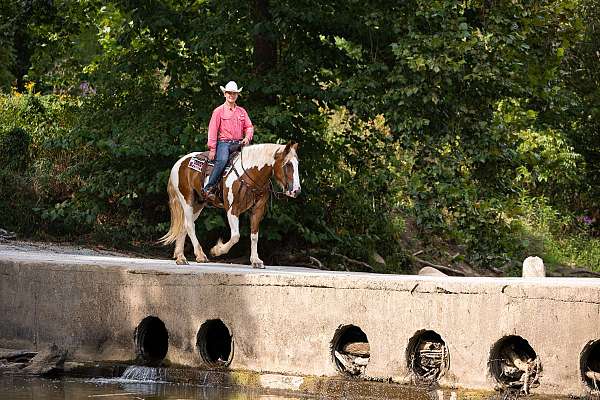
<point x="231" y="87"/>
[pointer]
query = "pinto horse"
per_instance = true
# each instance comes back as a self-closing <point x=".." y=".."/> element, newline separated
<point x="247" y="186"/>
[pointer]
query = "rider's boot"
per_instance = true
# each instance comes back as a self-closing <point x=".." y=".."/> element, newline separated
<point x="210" y="196"/>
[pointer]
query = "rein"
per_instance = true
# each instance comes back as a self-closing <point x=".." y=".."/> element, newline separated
<point x="263" y="188"/>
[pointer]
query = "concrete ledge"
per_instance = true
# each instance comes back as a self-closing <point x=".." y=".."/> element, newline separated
<point x="283" y="320"/>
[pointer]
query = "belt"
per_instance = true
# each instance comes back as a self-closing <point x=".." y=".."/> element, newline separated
<point x="230" y="141"/>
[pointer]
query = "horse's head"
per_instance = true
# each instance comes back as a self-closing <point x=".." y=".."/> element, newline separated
<point x="286" y="170"/>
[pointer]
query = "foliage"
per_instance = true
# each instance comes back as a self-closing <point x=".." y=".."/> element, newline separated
<point x="435" y="120"/>
<point x="32" y="173"/>
<point x="567" y="240"/>
<point x="7" y="51"/>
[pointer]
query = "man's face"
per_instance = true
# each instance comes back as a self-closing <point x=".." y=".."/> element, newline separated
<point x="231" y="97"/>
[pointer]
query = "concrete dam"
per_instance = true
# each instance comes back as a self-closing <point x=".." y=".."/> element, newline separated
<point x="477" y="333"/>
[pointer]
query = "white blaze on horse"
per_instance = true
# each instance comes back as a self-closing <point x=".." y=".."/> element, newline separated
<point x="245" y="187"/>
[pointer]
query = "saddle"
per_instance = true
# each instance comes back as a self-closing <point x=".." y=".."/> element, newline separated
<point x="202" y="164"/>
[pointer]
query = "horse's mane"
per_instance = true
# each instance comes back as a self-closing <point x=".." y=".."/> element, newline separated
<point x="259" y="155"/>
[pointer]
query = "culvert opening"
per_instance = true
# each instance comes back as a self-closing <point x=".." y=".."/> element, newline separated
<point x="427" y="356"/>
<point x="350" y="350"/>
<point x="514" y="363"/>
<point x="151" y="341"/>
<point x="215" y="343"/>
<point x="590" y="364"/>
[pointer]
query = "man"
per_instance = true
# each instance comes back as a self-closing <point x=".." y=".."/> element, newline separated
<point x="229" y="125"/>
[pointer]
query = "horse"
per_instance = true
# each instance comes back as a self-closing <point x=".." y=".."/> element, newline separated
<point x="246" y="186"/>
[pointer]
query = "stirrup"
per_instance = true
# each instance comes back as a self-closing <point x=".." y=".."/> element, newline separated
<point x="210" y="195"/>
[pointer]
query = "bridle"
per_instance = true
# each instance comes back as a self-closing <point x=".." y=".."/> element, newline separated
<point x="254" y="186"/>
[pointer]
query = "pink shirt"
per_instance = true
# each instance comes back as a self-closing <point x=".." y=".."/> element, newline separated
<point x="229" y="124"/>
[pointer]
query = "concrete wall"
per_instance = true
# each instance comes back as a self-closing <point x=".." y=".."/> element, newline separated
<point x="283" y="319"/>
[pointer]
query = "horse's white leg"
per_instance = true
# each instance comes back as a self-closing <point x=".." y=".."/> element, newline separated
<point x="189" y="218"/>
<point x="178" y="253"/>
<point x="258" y="212"/>
<point x="180" y="243"/>
<point x="254" y="260"/>
<point x="234" y="226"/>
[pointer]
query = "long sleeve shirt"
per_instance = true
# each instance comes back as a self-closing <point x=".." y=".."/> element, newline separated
<point x="229" y="124"/>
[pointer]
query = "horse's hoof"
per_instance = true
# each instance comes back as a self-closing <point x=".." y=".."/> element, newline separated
<point x="217" y="249"/>
<point x="181" y="261"/>
<point x="202" y="259"/>
<point x="258" y="265"/>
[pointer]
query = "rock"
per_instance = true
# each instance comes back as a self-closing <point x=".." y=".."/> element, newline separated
<point x="73" y="366"/>
<point x="16" y="355"/>
<point x="533" y="267"/>
<point x="361" y="349"/>
<point x="378" y="259"/>
<point x="362" y="361"/>
<point x="4" y="234"/>
<point x="593" y="375"/>
<point x="10" y="367"/>
<point x="430" y="271"/>
<point x="348" y="363"/>
<point x="47" y="361"/>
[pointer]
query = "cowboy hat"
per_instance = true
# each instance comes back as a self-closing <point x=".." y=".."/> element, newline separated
<point x="231" y="87"/>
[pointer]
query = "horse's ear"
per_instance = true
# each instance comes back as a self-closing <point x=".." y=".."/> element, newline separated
<point x="289" y="146"/>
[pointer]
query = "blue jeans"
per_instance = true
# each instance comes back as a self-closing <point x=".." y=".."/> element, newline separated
<point x="220" y="162"/>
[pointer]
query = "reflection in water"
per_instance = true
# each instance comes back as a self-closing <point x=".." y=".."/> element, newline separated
<point x="26" y="388"/>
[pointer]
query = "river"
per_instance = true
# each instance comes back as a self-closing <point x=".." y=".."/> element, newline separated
<point x="28" y="388"/>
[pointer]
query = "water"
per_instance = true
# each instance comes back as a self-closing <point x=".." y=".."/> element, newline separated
<point x="28" y="388"/>
<point x="141" y="373"/>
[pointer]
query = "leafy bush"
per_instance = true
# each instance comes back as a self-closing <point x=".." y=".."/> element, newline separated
<point x="14" y="149"/>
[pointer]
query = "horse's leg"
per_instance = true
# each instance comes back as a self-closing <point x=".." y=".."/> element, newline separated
<point x="254" y="260"/>
<point x="234" y="226"/>
<point x="189" y="218"/>
<point x="180" y="243"/>
<point x="178" y="253"/>
<point x="258" y="212"/>
<point x="199" y="257"/>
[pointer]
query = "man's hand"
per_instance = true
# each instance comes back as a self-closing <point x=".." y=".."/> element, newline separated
<point x="245" y="141"/>
<point x="212" y="154"/>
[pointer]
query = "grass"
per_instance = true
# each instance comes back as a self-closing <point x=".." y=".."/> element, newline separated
<point x="561" y="239"/>
<point x="580" y="251"/>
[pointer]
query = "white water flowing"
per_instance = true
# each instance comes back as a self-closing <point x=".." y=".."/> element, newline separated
<point x="144" y="374"/>
<point x="137" y="374"/>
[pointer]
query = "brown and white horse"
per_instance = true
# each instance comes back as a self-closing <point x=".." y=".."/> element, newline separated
<point x="245" y="187"/>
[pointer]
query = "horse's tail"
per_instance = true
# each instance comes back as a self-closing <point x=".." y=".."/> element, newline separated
<point x="176" y="216"/>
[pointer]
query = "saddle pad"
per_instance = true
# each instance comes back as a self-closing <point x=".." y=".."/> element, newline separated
<point x="196" y="163"/>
